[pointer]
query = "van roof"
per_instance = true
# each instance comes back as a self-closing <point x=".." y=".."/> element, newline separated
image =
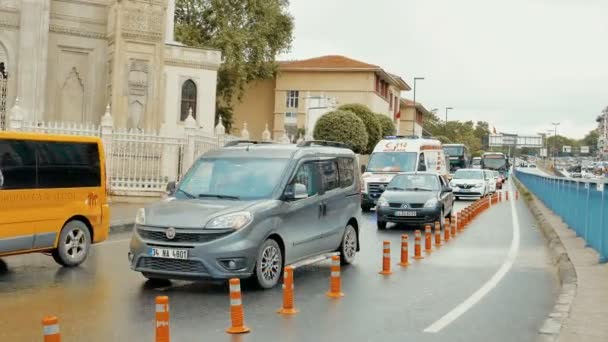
<point x="47" y="137"/>
<point x="278" y="151"/>
<point x="407" y="144"/>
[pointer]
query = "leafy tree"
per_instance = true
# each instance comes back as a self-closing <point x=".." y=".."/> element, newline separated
<point x="342" y="126"/>
<point x="387" y="125"/>
<point x="250" y="34"/>
<point x="590" y="139"/>
<point x="372" y="125"/>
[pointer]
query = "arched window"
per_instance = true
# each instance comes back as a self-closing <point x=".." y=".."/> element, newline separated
<point x="188" y="99"/>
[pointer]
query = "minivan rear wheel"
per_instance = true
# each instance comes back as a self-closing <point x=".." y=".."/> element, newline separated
<point x="74" y="244"/>
<point x="348" y="248"/>
<point x="269" y="264"/>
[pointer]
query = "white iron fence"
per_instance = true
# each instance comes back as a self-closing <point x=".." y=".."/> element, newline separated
<point x="142" y="163"/>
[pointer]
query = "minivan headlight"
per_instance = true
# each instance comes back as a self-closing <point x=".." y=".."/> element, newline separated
<point x="432" y="203"/>
<point x="140" y="217"/>
<point x="382" y="202"/>
<point x="235" y="221"/>
<point x="478" y="185"/>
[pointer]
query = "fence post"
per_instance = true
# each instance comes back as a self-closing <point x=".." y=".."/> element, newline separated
<point x="601" y="249"/>
<point x="107" y="124"/>
<point x="588" y="186"/>
<point x="189" y="129"/>
<point x="170" y="156"/>
<point x="15" y="117"/>
<point x="266" y="136"/>
<point x="245" y="132"/>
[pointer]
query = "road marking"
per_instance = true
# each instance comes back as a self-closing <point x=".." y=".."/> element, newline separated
<point x="111" y="242"/>
<point x="490" y="285"/>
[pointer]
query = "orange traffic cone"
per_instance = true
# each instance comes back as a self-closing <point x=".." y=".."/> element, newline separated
<point x="162" y="319"/>
<point x="417" y="245"/>
<point x="50" y="329"/>
<point x="446" y="230"/>
<point x="428" y="240"/>
<point x="334" y="280"/>
<point x="386" y="258"/>
<point x="404" y="251"/>
<point x="437" y="234"/>
<point x="288" y="296"/>
<point x="237" y="315"/>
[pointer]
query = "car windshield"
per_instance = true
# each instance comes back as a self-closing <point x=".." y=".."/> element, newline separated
<point x="414" y="183"/>
<point x="494" y="163"/>
<point x="232" y="178"/>
<point x="392" y="162"/>
<point x="476" y="161"/>
<point x="453" y="151"/>
<point x="468" y="174"/>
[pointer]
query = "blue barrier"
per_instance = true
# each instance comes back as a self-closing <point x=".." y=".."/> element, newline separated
<point x="578" y="202"/>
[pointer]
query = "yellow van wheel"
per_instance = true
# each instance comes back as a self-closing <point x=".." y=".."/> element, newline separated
<point x="74" y="244"/>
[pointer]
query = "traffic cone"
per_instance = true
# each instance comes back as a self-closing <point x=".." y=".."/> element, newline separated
<point x="237" y="315"/>
<point x="455" y="224"/>
<point x="446" y="230"/>
<point x="386" y="258"/>
<point x="437" y="234"/>
<point x="428" y="248"/>
<point x="404" y="251"/>
<point x="417" y="245"/>
<point x="334" y="280"/>
<point x="506" y="196"/>
<point x="288" y="296"/>
<point x="50" y="329"/>
<point x="162" y="319"/>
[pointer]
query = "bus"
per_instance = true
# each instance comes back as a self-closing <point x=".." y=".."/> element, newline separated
<point x="459" y="155"/>
<point x="53" y="195"/>
<point x="397" y="154"/>
<point x="496" y="161"/>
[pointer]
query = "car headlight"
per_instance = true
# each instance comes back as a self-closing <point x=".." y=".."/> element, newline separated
<point x="235" y="221"/>
<point x="382" y="202"/>
<point x="140" y="217"/>
<point x="452" y="184"/>
<point x="432" y="203"/>
<point x="478" y="185"/>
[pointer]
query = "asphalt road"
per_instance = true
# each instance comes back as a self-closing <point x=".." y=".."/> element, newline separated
<point x="103" y="300"/>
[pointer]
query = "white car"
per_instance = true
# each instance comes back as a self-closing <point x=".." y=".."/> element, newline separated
<point x="469" y="183"/>
<point x="490" y="181"/>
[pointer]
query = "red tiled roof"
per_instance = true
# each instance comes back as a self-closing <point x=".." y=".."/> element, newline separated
<point x="327" y="62"/>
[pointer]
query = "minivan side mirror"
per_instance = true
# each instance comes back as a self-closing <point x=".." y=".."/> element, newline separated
<point x="171" y="188"/>
<point x="363" y="169"/>
<point x="295" y="192"/>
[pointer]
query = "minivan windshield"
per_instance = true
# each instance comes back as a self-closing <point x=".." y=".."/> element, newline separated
<point x="468" y="174"/>
<point x="392" y="162"/>
<point x="454" y="151"/>
<point x="232" y="178"/>
<point x="476" y="161"/>
<point x="414" y="183"/>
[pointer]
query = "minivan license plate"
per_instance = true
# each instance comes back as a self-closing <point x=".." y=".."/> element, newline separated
<point x="405" y="213"/>
<point x="168" y="253"/>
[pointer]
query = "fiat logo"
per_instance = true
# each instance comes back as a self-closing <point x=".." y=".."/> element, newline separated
<point x="404" y="206"/>
<point x="170" y="233"/>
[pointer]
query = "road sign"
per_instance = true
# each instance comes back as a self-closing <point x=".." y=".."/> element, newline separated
<point x="566" y="149"/>
<point x="584" y="149"/>
<point x="543" y="152"/>
<point x="499" y="140"/>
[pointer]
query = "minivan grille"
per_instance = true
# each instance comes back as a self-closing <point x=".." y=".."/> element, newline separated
<point x="159" y="235"/>
<point x="376" y="189"/>
<point x="409" y="206"/>
<point x="171" y="265"/>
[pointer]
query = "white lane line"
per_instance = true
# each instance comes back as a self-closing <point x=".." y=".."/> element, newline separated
<point x="487" y="287"/>
<point x="111" y="242"/>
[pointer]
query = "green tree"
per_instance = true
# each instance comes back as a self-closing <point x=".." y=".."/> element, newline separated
<point x="250" y="34"/>
<point x="342" y="126"/>
<point x="387" y="125"/>
<point x="372" y="125"/>
<point x="590" y="139"/>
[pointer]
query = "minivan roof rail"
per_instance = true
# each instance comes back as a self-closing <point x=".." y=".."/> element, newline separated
<point x="309" y="143"/>
<point x="246" y="142"/>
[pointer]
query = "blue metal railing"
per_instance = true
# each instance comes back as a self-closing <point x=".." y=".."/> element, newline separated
<point x="582" y="204"/>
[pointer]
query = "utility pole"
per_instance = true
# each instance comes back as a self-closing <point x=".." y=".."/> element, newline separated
<point x="415" y="105"/>
<point x="555" y="124"/>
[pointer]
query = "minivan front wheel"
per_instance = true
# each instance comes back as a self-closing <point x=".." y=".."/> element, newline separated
<point x="269" y="264"/>
<point x="348" y="248"/>
<point x="74" y="244"/>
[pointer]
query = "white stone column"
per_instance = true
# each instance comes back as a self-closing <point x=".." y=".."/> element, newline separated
<point x="33" y="52"/>
<point x="170" y="25"/>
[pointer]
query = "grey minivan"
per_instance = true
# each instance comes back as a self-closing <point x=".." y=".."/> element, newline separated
<point x="248" y="209"/>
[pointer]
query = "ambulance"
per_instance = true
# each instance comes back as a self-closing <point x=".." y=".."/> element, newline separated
<point x="398" y="154"/>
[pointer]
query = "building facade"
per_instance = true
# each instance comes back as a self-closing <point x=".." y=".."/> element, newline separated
<point x="411" y="120"/>
<point x="65" y="60"/>
<point x="286" y="102"/>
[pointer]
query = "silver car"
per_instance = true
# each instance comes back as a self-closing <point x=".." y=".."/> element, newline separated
<point x="249" y="209"/>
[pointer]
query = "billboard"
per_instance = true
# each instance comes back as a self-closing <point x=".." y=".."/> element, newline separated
<point x="498" y="140"/>
<point x="543" y="152"/>
<point x="584" y="149"/>
<point x="566" y="149"/>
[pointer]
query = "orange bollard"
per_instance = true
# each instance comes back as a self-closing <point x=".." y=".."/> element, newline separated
<point x="428" y="239"/>
<point x="404" y="251"/>
<point x="506" y="196"/>
<point x="417" y="246"/>
<point x="437" y="235"/>
<point x="386" y="258"/>
<point x="454" y="225"/>
<point x="334" y="280"/>
<point x="446" y="230"/>
<point x="288" y="296"/>
<point x="500" y="197"/>
<point x="237" y="315"/>
<point x="162" y="319"/>
<point x="516" y="195"/>
<point x="50" y="329"/>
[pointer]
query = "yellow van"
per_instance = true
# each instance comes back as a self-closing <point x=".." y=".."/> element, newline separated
<point x="52" y="195"/>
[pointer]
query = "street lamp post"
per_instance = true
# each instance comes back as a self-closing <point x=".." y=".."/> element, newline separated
<point x="446" y="114"/>
<point x="415" y="109"/>
<point x="555" y="124"/>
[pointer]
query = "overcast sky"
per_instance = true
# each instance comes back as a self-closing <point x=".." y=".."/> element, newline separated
<point x="518" y="64"/>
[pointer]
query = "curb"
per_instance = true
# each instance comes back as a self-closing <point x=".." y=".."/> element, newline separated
<point x="552" y="326"/>
<point x="121" y="226"/>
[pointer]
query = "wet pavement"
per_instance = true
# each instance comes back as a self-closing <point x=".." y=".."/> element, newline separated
<point x="104" y="300"/>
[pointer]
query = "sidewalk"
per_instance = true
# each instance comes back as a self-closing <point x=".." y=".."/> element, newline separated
<point x="122" y="213"/>
<point x="588" y="317"/>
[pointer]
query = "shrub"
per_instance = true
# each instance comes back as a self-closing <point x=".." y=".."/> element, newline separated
<point x="342" y="126"/>
<point x="386" y="124"/>
<point x="370" y="121"/>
